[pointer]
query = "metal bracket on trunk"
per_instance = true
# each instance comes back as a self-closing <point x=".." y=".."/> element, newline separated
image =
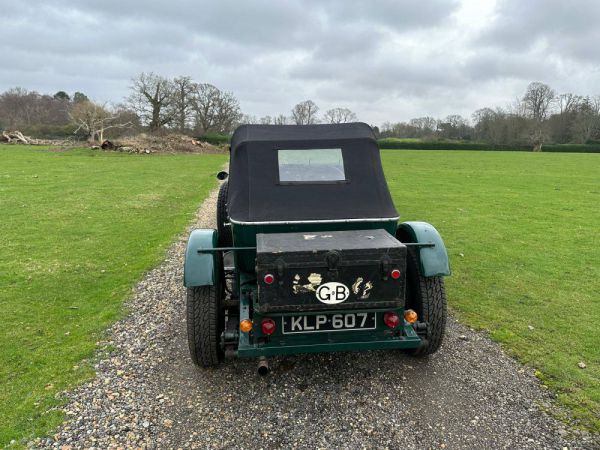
<point x="386" y="266"/>
<point x="333" y="259"/>
<point x="280" y="267"/>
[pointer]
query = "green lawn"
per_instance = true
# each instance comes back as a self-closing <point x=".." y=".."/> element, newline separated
<point x="77" y="230"/>
<point x="523" y="234"/>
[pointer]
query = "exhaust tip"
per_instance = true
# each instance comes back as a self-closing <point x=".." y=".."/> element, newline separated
<point x="263" y="366"/>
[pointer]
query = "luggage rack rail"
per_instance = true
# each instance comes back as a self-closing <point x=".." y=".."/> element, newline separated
<point x="236" y="249"/>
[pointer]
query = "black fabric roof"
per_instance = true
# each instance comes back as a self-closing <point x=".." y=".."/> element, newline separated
<point x="264" y="133"/>
<point x="257" y="195"/>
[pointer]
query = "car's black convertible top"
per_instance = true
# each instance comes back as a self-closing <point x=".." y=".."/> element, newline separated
<point x="289" y="173"/>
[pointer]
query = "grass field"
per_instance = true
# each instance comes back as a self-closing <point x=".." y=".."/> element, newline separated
<point x="78" y="229"/>
<point x="523" y="233"/>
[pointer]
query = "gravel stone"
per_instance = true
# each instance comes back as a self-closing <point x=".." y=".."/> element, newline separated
<point x="147" y="393"/>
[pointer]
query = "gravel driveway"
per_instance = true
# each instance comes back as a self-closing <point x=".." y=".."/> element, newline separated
<point x="147" y="393"/>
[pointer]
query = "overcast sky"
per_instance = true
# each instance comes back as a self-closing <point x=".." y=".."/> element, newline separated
<point x="386" y="60"/>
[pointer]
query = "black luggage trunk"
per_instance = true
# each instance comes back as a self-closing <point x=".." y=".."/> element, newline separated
<point x="329" y="270"/>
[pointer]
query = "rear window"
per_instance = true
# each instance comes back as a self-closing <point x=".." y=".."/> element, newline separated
<point x="322" y="165"/>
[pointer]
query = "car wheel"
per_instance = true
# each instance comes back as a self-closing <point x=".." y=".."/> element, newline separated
<point x="427" y="296"/>
<point x="205" y="325"/>
<point x="225" y="238"/>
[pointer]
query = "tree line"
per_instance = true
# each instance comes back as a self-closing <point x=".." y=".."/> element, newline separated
<point x="540" y="116"/>
<point x="21" y="109"/>
<point x="157" y="104"/>
<point x="304" y="113"/>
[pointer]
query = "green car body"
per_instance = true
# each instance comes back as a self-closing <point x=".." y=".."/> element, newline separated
<point x="234" y="283"/>
<point x="200" y="271"/>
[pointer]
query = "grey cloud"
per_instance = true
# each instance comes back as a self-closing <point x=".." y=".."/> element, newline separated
<point x="553" y="27"/>
<point x="346" y="42"/>
<point x="386" y="59"/>
<point x="489" y="65"/>
<point x="395" y="14"/>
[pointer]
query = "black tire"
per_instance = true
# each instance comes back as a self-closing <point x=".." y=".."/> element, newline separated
<point x="205" y="324"/>
<point x="427" y="296"/>
<point x="225" y="238"/>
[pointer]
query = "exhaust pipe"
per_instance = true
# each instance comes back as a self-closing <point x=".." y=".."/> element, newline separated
<point x="263" y="366"/>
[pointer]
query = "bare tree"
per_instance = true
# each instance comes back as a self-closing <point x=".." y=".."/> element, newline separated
<point x="453" y="126"/>
<point x="205" y="101"/>
<point x="126" y="115"/>
<point x="487" y="125"/>
<point x="425" y="126"/>
<point x="340" y="115"/>
<point x="215" y="110"/>
<point x="227" y="112"/>
<point x="152" y="98"/>
<point x="561" y="124"/>
<point x="499" y="126"/>
<point x="537" y="102"/>
<point x="397" y="130"/>
<point x="95" y="119"/>
<point x="266" y="120"/>
<point x="183" y="101"/>
<point x="23" y="109"/>
<point x="16" y="107"/>
<point x="595" y="102"/>
<point x="567" y="102"/>
<point x="280" y="119"/>
<point x="586" y="120"/>
<point x="305" y="113"/>
<point x="247" y="119"/>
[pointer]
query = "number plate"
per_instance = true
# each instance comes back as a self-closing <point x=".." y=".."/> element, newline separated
<point x="320" y="323"/>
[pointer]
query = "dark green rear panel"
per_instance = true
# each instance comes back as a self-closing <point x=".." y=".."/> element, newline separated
<point x="255" y="344"/>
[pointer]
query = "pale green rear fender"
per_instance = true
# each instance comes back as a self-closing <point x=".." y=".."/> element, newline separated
<point x="200" y="269"/>
<point x="434" y="260"/>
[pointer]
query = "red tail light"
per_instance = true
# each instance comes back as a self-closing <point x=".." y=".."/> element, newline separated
<point x="269" y="278"/>
<point x="268" y="326"/>
<point x="391" y="319"/>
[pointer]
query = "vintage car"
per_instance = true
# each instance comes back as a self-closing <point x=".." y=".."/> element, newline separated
<point x="308" y="254"/>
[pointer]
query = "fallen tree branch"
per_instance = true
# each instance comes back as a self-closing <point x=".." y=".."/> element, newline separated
<point x="17" y="136"/>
